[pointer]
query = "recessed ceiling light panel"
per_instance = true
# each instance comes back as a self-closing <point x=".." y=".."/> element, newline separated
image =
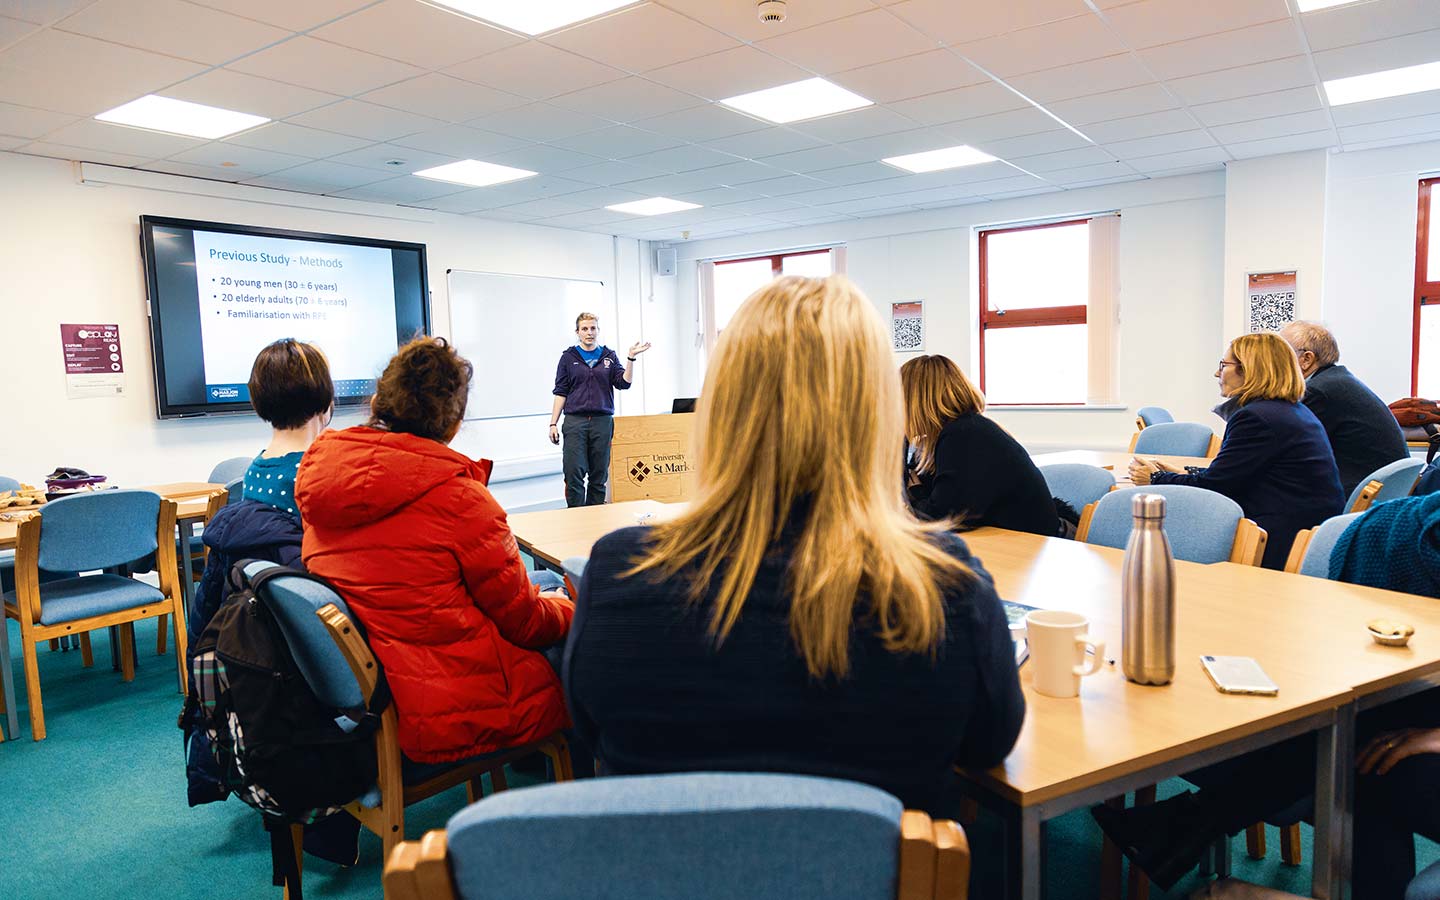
<point x="654" y="206"/>
<point x="1390" y="83"/>
<point x="935" y="160"/>
<point x="799" y="100"/>
<point x="157" y="113"/>
<point x="532" y="17"/>
<point x="474" y="173"/>
<point x="1312" y="5"/>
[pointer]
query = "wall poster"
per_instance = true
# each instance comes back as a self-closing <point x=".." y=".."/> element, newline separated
<point x="1269" y="300"/>
<point x="93" y="364"/>
<point x="907" y="325"/>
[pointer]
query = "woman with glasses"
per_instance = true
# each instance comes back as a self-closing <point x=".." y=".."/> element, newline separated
<point x="1275" y="460"/>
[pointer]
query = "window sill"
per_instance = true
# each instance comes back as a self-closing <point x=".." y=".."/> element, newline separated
<point x="1057" y="407"/>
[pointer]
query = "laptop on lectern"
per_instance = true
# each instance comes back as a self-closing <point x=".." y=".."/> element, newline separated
<point x="683" y="405"/>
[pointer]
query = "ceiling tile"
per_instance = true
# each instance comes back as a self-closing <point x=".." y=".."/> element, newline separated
<point x="701" y="123"/>
<point x="174" y="28"/>
<point x="1133" y="101"/>
<point x="1133" y="127"/>
<point x="678" y="186"/>
<point x="958" y="23"/>
<point x="416" y="33"/>
<point x="849" y="43"/>
<point x="1392" y="142"/>
<point x="22" y="121"/>
<point x="283" y="137"/>
<point x="325" y="67"/>
<point x="229" y="89"/>
<point x="319" y="177"/>
<point x="444" y="98"/>
<point x="602" y="196"/>
<point x="861" y="173"/>
<point x="618" y="142"/>
<point x="681" y="159"/>
<point x="1110" y="73"/>
<point x="245" y="159"/>
<point x="544" y="158"/>
<point x="589" y="217"/>
<point x="544" y="208"/>
<point x="608" y="172"/>
<point x="1059" y="43"/>
<point x="1065" y="159"/>
<point x="1376" y="56"/>
<point x="742" y="172"/>
<point x="1288" y="144"/>
<point x="540" y="122"/>
<point x="1090" y="173"/>
<point x="1389" y="108"/>
<point x="783" y="186"/>
<point x="12" y="30"/>
<point x="852" y="126"/>
<point x="641" y="38"/>
<point x="766" y="142"/>
<point x="814" y="159"/>
<point x="960" y="103"/>
<point x="910" y="76"/>
<point x="1361" y="22"/>
<point x="41" y="12"/>
<point x="1156" y="22"/>
<point x="82" y="154"/>
<point x="379" y="156"/>
<point x="195" y="170"/>
<point x="463" y="202"/>
<point x="1272" y="127"/>
<point x="762" y="206"/>
<point x="1185" y="159"/>
<point x="937" y="195"/>
<point x="1015" y="123"/>
<point x="1010" y="195"/>
<point x="1276" y="40"/>
<point x="1033" y="144"/>
<point x="901" y="142"/>
<point x="983" y="180"/>
<point x="1161" y="144"/>
<point x="739" y="19"/>
<point x="534" y="70"/>
<point x="870" y="204"/>
<point x="728" y="73"/>
<point x="58" y="69"/>
<point x="626" y="100"/>
<point x="1378" y="131"/>
<point x="288" y="13"/>
<point x="1245" y="109"/>
<point x="121" y="139"/>
<point x="1242" y="81"/>
<point x="461" y="142"/>
<point x="365" y="120"/>
<point x="404" y="189"/>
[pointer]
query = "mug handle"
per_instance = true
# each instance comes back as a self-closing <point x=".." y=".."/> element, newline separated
<point x="1086" y="642"/>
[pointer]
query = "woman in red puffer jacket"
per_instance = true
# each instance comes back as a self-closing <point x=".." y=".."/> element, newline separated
<point x="407" y="532"/>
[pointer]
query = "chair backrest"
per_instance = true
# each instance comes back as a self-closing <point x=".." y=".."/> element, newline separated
<point x="1154" y="415"/>
<point x="1397" y="479"/>
<point x="575" y="567"/>
<point x="234" y="491"/>
<point x="703" y="836"/>
<point x="8" y="484"/>
<point x="1078" y="484"/>
<point x="1322" y="540"/>
<point x="1200" y="524"/>
<point x="294" y="600"/>
<point x="1175" y="439"/>
<point x="98" y="530"/>
<point x="227" y="470"/>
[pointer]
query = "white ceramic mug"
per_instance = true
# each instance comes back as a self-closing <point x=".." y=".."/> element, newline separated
<point x="1058" y="641"/>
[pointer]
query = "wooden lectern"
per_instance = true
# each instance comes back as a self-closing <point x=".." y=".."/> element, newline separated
<point x="650" y="458"/>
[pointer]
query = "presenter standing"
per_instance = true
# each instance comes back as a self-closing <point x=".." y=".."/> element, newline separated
<point x="585" y="382"/>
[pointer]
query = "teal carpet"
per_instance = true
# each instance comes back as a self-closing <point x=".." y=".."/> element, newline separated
<point x="98" y="808"/>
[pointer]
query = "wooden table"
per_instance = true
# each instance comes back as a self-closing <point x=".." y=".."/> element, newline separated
<point x="554" y="535"/>
<point x="1115" y="460"/>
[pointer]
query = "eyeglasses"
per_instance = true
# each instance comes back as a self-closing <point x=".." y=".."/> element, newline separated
<point x="1226" y="362"/>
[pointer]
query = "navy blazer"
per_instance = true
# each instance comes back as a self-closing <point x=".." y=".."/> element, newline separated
<point x="1275" y="462"/>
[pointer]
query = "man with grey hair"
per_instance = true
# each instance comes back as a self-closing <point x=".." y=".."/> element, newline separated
<point x="1363" y="432"/>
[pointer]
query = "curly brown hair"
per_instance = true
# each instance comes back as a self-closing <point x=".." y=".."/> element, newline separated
<point x="423" y="390"/>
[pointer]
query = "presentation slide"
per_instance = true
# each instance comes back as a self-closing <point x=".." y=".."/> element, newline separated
<point x="254" y="290"/>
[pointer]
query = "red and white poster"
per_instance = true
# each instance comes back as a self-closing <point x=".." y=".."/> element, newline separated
<point x="1270" y="300"/>
<point x="94" y="366"/>
<point x="907" y="325"/>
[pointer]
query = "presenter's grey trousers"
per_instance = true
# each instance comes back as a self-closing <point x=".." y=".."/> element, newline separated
<point x="586" y="458"/>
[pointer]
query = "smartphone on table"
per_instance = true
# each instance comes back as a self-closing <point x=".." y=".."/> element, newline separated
<point x="1238" y="675"/>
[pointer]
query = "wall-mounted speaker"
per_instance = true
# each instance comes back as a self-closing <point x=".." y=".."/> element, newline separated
<point x="665" y="261"/>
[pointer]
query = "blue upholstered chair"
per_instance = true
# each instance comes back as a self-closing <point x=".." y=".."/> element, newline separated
<point x="338" y="666"/>
<point x="1176" y="439"/>
<point x="1146" y="416"/>
<point x="701" y="836"/>
<point x="1310" y="554"/>
<point x="1203" y="526"/>
<point x="1389" y="482"/>
<point x="1078" y="484"/>
<point x="86" y="532"/>
<point x="228" y="470"/>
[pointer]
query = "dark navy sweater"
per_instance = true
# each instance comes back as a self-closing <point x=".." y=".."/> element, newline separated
<point x="983" y="476"/>
<point x="1362" y="430"/>
<point x="650" y="692"/>
<point x="1276" y="462"/>
<point x="589" y="390"/>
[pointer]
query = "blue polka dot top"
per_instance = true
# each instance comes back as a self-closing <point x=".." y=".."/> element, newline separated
<point x="272" y="480"/>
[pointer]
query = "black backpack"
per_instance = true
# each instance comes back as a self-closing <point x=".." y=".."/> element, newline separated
<point x="277" y="746"/>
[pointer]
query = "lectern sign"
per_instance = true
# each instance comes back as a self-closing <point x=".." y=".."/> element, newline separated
<point x="94" y="366"/>
<point x="650" y="458"/>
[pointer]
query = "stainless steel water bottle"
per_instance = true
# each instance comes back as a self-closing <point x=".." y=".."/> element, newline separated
<point x="1147" y="596"/>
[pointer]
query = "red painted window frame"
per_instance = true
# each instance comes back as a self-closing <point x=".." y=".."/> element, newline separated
<point x="777" y="260"/>
<point x="1427" y="290"/>
<point x="1022" y="318"/>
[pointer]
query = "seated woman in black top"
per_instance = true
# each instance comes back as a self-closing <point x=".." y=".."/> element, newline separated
<point x="966" y="467"/>
<point x="796" y="618"/>
<point x="1275" y="461"/>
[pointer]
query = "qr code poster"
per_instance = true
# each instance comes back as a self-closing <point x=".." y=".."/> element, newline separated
<point x="907" y="325"/>
<point x="1270" y="297"/>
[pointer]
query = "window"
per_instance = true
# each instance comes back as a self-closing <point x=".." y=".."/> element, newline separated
<point x="731" y="281"/>
<point x="1425" y="377"/>
<point x="1046" y="312"/>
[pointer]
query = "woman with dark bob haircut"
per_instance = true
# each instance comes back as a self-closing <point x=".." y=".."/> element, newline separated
<point x="405" y="528"/>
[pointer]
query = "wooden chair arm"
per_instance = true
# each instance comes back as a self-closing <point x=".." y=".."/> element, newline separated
<point x="353" y="647"/>
<point x="27" y="571"/>
<point x="1082" y="531"/>
<point x="165" y="561"/>
<point x="1297" y="553"/>
<point x="1249" y="546"/>
<point x="1367" y="497"/>
<point x="419" y="870"/>
<point x="1214" y="449"/>
<point x="952" y="861"/>
<point x="1134" y="439"/>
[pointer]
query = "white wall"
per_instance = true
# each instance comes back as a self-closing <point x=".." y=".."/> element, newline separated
<point x="69" y="253"/>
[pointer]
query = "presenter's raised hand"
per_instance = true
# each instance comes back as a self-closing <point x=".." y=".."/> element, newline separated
<point x="638" y="348"/>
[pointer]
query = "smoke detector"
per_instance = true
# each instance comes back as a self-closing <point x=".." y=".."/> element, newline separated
<point x="771" y="12"/>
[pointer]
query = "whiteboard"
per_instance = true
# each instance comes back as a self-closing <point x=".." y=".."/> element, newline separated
<point x="513" y="328"/>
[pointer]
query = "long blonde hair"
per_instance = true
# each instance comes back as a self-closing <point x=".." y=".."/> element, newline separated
<point x="936" y="392"/>
<point x="1270" y="366"/>
<point x="801" y="405"/>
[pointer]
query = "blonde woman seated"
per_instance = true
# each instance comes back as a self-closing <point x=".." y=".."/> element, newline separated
<point x="1275" y="461"/>
<point x="796" y="618"/>
<point x="965" y="467"/>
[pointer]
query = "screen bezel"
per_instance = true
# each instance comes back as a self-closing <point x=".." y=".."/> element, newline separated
<point x="167" y="410"/>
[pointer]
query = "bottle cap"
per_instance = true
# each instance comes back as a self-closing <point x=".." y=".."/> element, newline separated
<point x="1148" y="506"/>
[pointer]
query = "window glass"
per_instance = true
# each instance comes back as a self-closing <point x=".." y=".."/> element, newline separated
<point x="811" y="265"/>
<point x="734" y="282"/>
<point x="1427" y="369"/>
<point x="1432" y="256"/>
<point x="1040" y="267"/>
<point x="1040" y="364"/>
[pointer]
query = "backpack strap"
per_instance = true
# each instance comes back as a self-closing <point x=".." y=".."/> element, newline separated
<point x="284" y="868"/>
